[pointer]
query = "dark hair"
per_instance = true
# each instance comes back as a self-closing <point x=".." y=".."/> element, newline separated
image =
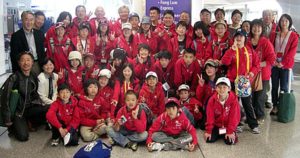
<point x="87" y="83"/>
<point x="39" y="13"/>
<point x="122" y="78"/>
<point x="46" y="60"/>
<point x="63" y="87"/>
<point x="289" y="19"/>
<point x="220" y="10"/>
<point x="190" y="51"/>
<point x="63" y="15"/>
<point x="169" y="12"/>
<point x="246" y="21"/>
<point x="171" y="105"/>
<point x="99" y="29"/>
<point x="205" y="10"/>
<point x="79" y="6"/>
<point x="164" y="54"/>
<point x="181" y="23"/>
<point x="131" y="92"/>
<point x="258" y="22"/>
<point x="205" y="76"/>
<point x="155" y="8"/>
<point x="236" y="11"/>
<point x="144" y="46"/>
<point x="25" y="53"/>
<point x="202" y="26"/>
<point x="119" y="53"/>
<point x="85" y="25"/>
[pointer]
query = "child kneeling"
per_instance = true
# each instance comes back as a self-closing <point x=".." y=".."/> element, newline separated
<point x="223" y="114"/>
<point x="172" y="130"/>
<point x="130" y="126"/>
<point x="63" y="115"/>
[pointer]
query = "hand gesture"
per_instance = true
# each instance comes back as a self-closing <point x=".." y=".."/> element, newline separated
<point x="230" y="137"/>
<point x="196" y="110"/>
<point x="112" y="68"/>
<point x="61" y="73"/>
<point x="140" y="59"/>
<point x="135" y="112"/>
<point x="90" y="14"/>
<point x="207" y="136"/>
<point x="112" y="36"/>
<point x="63" y="132"/>
<point x="234" y="46"/>
<point x="149" y="146"/>
<point x="114" y="102"/>
<point x="100" y="121"/>
<point x="200" y="80"/>
<point x="191" y="147"/>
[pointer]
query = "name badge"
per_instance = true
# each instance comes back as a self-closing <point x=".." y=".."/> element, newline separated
<point x="222" y="131"/>
<point x="166" y="86"/>
<point x="103" y="61"/>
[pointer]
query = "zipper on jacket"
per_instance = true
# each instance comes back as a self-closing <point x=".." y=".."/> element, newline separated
<point x="24" y="105"/>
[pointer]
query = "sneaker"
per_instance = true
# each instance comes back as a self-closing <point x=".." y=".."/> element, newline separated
<point x="55" y="142"/>
<point x="260" y="121"/>
<point x="133" y="146"/>
<point x="274" y="111"/>
<point x="111" y="141"/>
<point x="268" y="105"/>
<point x="239" y="129"/>
<point x="255" y="130"/>
<point x="157" y="146"/>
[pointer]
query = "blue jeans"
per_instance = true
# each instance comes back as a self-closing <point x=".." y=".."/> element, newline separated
<point x="124" y="136"/>
<point x="279" y="76"/>
<point x="172" y="142"/>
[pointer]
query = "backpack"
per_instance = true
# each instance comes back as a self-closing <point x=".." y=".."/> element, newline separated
<point x="95" y="149"/>
<point x="148" y="112"/>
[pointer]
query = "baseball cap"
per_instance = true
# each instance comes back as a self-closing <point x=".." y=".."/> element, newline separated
<point x="84" y="25"/>
<point x="105" y="73"/>
<point x="240" y="32"/>
<point x="151" y="73"/>
<point x="211" y="63"/>
<point x="223" y="80"/>
<point x="172" y="100"/>
<point x="134" y="14"/>
<point x="146" y="20"/>
<point x="221" y="22"/>
<point x="184" y="87"/>
<point x="59" y="24"/>
<point x="126" y="25"/>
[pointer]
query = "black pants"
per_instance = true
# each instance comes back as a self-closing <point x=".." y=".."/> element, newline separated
<point x="259" y="99"/>
<point x="215" y="136"/>
<point x="279" y="77"/>
<point x="19" y="128"/>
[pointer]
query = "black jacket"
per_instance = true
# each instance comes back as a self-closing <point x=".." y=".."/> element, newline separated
<point x="18" y="44"/>
<point x="27" y="88"/>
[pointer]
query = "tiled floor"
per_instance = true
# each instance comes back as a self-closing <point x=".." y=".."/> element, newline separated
<point x="277" y="140"/>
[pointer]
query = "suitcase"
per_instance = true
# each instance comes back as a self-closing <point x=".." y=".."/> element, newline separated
<point x="287" y="104"/>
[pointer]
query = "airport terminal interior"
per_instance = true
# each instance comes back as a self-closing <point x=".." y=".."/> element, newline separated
<point x="275" y="140"/>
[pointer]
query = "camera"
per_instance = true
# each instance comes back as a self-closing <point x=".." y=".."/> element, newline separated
<point x="123" y="119"/>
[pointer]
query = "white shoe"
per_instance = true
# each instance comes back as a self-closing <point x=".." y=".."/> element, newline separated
<point x="157" y="146"/>
<point x="255" y="130"/>
<point x="55" y="142"/>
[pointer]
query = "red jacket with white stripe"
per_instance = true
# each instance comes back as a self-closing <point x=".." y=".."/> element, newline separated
<point x="165" y="76"/>
<point x="74" y="80"/>
<point x="68" y="114"/>
<point x="155" y="100"/>
<point x="130" y="48"/>
<point x="173" y="47"/>
<point x="265" y="53"/>
<point x="191" y="104"/>
<point x="90" y="111"/>
<point x="204" y="92"/>
<point x="75" y="26"/>
<point x="150" y="39"/>
<point x="227" y="116"/>
<point x="107" y="109"/>
<point x="172" y="127"/>
<point x="167" y="35"/>
<point x="141" y="70"/>
<point x="230" y="60"/>
<point x="121" y="88"/>
<point x="137" y="125"/>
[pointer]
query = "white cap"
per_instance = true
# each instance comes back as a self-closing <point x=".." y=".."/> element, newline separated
<point x="75" y="55"/>
<point x="151" y="73"/>
<point x="105" y="72"/>
<point x="223" y="80"/>
<point x="126" y="25"/>
<point x="184" y="87"/>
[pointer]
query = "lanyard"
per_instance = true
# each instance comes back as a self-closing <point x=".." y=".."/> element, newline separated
<point x="238" y="60"/>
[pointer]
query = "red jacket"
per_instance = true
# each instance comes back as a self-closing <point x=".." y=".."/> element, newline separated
<point x="290" y="51"/>
<point x="265" y="53"/>
<point x="172" y="127"/>
<point x="191" y="104"/>
<point x="116" y="27"/>
<point x="107" y="109"/>
<point x="165" y="75"/>
<point x="216" y="49"/>
<point x="219" y="116"/>
<point x="186" y="74"/>
<point x="229" y="59"/>
<point x="131" y="49"/>
<point x="89" y="47"/>
<point x="150" y="40"/>
<point x="92" y="73"/>
<point x="94" y="24"/>
<point x="121" y="88"/>
<point x="102" y="50"/>
<point x="190" y="31"/>
<point x="74" y="79"/>
<point x="141" y="70"/>
<point x="173" y="47"/>
<point x="75" y="26"/>
<point x="51" y="33"/>
<point x="136" y="125"/>
<point x="203" y="93"/>
<point x="164" y="40"/>
<point x="154" y="100"/>
<point x="59" y="51"/>
<point x="68" y="114"/>
<point x="272" y="35"/>
<point x="90" y="111"/>
<point x="200" y="49"/>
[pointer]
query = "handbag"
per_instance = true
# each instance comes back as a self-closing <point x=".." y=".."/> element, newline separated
<point x="242" y="83"/>
<point x="13" y="103"/>
<point x="95" y="149"/>
<point x="257" y="84"/>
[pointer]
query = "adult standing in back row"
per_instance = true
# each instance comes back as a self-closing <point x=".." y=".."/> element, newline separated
<point x="30" y="40"/>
